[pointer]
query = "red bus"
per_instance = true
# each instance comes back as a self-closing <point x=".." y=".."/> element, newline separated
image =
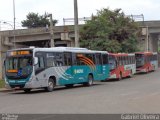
<point x="146" y="61"/>
<point x="122" y="65"/>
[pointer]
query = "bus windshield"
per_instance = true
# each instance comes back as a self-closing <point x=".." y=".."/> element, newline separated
<point x="139" y="60"/>
<point x="18" y="67"/>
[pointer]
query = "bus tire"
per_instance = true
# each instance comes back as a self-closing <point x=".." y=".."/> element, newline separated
<point x="147" y="70"/>
<point x="51" y="85"/>
<point x="131" y="74"/>
<point x="154" y="68"/>
<point x="90" y="81"/>
<point x="27" y="90"/>
<point x="69" y="85"/>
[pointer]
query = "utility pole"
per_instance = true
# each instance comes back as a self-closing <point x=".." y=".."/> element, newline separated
<point x="76" y="28"/>
<point x="14" y="27"/>
<point x="147" y="39"/>
<point x="0" y="25"/>
<point x="51" y="31"/>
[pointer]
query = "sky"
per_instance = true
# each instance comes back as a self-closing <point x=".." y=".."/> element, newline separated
<point x="65" y="9"/>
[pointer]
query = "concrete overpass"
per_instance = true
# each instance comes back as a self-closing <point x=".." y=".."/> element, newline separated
<point x="150" y="35"/>
<point x="23" y="37"/>
<point x="39" y="37"/>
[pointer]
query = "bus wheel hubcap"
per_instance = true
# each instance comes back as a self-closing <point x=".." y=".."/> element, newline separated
<point x="50" y="85"/>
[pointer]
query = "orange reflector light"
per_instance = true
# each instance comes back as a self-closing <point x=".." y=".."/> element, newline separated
<point x="12" y="71"/>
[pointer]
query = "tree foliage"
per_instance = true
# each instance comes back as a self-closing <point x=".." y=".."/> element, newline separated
<point x="35" y="20"/>
<point x="111" y="31"/>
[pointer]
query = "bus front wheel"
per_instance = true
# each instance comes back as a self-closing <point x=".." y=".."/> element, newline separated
<point x="51" y="85"/>
<point x="27" y="90"/>
<point x="131" y="74"/>
<point x="120" y="76"/>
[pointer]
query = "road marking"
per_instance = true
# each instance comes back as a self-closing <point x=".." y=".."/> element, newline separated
<point x="131" y="93"/>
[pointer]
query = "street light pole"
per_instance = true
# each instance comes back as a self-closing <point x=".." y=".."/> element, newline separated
<point x="76" y="28"/>
<point x="14" y="19"/>
<point x="0" y="25"/>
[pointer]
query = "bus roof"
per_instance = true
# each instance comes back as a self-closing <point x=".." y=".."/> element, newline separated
<point x="61" y="49"/>
<point x="146" y="53"/>
<point x="122" y="54"/>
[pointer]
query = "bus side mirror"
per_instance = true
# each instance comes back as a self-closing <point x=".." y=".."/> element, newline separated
<point x="35" y="60"/>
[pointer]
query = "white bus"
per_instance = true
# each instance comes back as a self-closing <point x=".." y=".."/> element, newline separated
<point x="30" y="68"/>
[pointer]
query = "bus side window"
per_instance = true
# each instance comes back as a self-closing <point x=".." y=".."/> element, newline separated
<point x="119" y="60"/>
<point x="132" y="60"/>
<point x="59" y="59"/>
<point x="122" y="58"/>
<point x="74" y="61"/>
<point x="78" y="59"/>
<point x="40" y="66"/>
<point x="145" y="59"/>
<point x="129" y="60"/>
<point x="155" y="57"/>
<point x="67" y="59"/>
<point x="50" y="62"/>
<point x="91" y="57"/>
<point x="126" y="60"/>
<point x="98" y="59"/>
<point x="105" y="58"/>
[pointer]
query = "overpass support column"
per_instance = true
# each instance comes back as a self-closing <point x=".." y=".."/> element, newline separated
<point x="1" y="71"/>
<point x="1" y="58"/>
<point x="153" y="42"/>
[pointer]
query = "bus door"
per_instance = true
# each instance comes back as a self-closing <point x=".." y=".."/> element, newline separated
<point x="68" y="68"/>
<point x="99" y="66"/>
<point x="40" y="70"/>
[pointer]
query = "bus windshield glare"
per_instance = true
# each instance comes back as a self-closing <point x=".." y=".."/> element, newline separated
<point x="19" y="67"/>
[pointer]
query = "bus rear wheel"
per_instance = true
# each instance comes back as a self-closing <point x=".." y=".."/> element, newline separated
<point x="147" y="70"/>
<point x="154" y="68"/>
<point x="120" y="76"/>
<point x="90" y="81"/>
<point x="131" y="74"/>
<point x="51" y="85"/>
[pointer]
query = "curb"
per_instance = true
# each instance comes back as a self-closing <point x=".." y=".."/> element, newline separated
<point x="5" y="90"/>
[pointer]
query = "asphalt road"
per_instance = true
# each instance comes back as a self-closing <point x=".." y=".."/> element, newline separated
<point x="139" y="94"/>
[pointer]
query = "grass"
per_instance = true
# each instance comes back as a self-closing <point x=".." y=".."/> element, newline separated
<point x="2" y="83"/>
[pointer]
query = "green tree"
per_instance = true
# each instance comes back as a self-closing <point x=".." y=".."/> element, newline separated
<point x="111" y="31"/>
<point x="35" y="20"/>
